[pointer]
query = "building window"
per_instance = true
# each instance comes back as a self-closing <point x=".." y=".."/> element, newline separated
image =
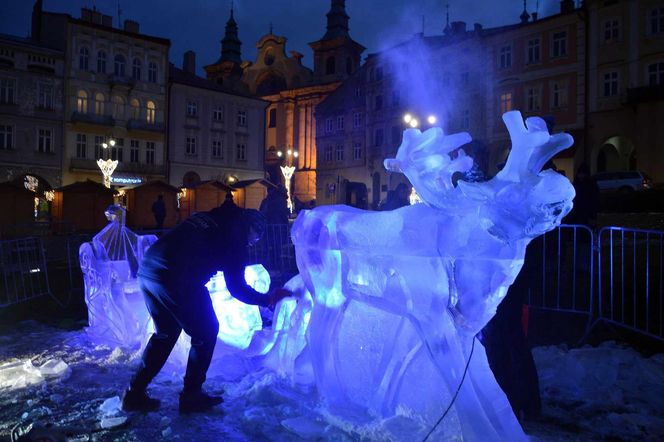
<point x="611" y="84"/>
<point x="328" y="153"/>
<point x="378" y="102"/>
<point x="117" y="151"/>
<point x="505" y="102"/>
<point x="378" y="137"/>
<point x="396" y="135"/>
<point x="45" y="141"/>
<point x="135" y="108"/>
<point x="82" y="102"/>
<point x="152" y="72"/>
<point x="190" y="148"/>
<point x="559" y="48"/>
<point x="241" y="152"/>
<point x="357" y="119"/>
<point x="657" y="21"/>
<point x="99" y="103"/>
<point x="134" y="146"/>
<point x="340" y="122"/>
<point x="45" y="96"/>
<point x="83" y="59"/>
<point x="217" y="149"/>
<point x="272" y="118"/>
<point x="218" y="113"/>
<point x="242" y="118"/>
<point x="149" y="152"/>
<point x="118" y="107"/>
<point x="101" y="62"/>
<point x="119" y="66"/>
<point x="151" y="112"/>
<point x="558" y="95"/>
<point x="464" y="123"/>
<point x="136" y="69"/>
<point x="358" y="92"/>
<point x="533" y="54"/>
<point x="396" y="98"/>
<point x="192" y="109"/>
<point x="99" y="150"/>
<point x="6" y="136"/>
<point x="81" y="145"/>
<point x="656" y="74"/>
<point x="340" y="152"/>
<point x="532" y="99"/>
<point x="505" y="57"/>
<point x="328" y="125"/>
<point x="357" y="150"/>
<point x="611" y="30"/>
<point x="7" y="90"/>
<point x="330" y="66"/>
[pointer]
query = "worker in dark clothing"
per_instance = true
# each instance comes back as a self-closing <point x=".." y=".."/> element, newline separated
<point x="172" y="277"/>
<point x="159" y="211"/>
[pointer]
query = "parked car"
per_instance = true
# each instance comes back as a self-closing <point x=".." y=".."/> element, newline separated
<point x="623" y="181"/>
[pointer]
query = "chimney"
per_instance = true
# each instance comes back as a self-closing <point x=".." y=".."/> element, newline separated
<point x="86" y="14"/>
<point x="534" y="15"/>
<point x="458" y="27"/>
<point x="189" y="62"/>
<point x="566" y="6"/>
<point x="35" y="30"/>
<point x="107" y="20"/>
<point x="477" y="27"/>
<point x="131" y="26"/>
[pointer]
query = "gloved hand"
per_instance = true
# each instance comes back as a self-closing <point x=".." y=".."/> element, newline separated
<point x="277" y="295"/>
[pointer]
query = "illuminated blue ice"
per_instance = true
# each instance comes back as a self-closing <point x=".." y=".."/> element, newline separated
<point x="397" y="297"/>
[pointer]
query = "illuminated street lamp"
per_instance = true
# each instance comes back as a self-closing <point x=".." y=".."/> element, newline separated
<point x="288" y="171"/>
<point x="108" y="165"/>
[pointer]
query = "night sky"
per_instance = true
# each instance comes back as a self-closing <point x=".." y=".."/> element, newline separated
<point x="199" y="24"/>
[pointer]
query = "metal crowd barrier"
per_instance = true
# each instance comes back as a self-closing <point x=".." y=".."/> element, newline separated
<point x="631" y="279"/>
<point x="23" y="270"/>
<point x="563" y="273"/>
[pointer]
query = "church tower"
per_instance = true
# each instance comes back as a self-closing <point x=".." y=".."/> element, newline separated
<point x="336" y="55"/>
<point x="227" y="71"/>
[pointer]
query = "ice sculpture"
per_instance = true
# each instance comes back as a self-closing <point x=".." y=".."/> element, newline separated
<point x="116" y="309"/>
<point x="399" y="296"/>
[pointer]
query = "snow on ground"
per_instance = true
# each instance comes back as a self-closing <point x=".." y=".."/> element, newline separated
<point x="605" y="393"/>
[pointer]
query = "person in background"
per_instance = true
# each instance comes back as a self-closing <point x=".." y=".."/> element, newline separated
<point x="159" y="211"/>
<point x="172" y="277"/>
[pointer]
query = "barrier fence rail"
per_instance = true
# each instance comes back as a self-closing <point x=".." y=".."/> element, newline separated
<point x="631" y="279"/>
<point x="23" y="271"/>
<point x="615" y="276"/>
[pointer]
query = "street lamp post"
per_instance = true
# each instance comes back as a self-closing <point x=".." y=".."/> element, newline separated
<point x="107" y="165"/>
<point x="288" y="171"/>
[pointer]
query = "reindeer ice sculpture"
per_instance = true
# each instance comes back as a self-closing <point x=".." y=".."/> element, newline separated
<point x="399" y="296"/>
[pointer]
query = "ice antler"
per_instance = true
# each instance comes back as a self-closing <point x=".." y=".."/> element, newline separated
<point x="532" y="146"/>
<point x="424" y="158"/>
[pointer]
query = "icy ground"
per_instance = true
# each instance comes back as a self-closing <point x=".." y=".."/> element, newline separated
<point x="609" y="392"/>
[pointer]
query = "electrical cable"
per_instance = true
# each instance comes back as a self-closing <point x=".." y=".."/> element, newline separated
<point x="456" y="393"/>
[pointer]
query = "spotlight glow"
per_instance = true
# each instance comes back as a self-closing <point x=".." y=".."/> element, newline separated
<point x="280" y="153"/>
<point x="112" y="142"/>
<point x="431" y="119"/>
<point x="407" y="118"/>
<point x="413" y="122"/>
<point x="296" y="154"/>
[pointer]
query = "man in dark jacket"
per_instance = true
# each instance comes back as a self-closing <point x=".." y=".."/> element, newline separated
<point x="172" y="277"/>
<point x="159" y="211"/>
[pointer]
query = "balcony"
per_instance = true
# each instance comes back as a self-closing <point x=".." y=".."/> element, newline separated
<point x="121" y="80"/>
<point x="135" y="124"/>
<point x="91" y="118"/>
<point x="645" y="94"/>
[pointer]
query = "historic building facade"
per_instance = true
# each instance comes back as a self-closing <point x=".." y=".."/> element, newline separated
<point x="214" y="133"/>
<point x="626" y="86"/>
<point x="31" y="112"/>
<point x="292" y="90"/>
<point x="115" y="95"/>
